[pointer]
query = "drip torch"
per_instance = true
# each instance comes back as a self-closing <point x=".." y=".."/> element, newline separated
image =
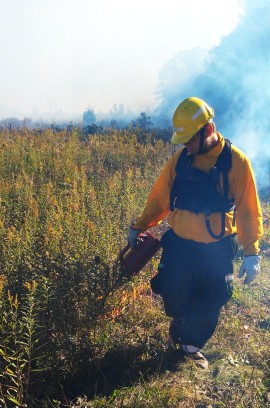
<point x="132" y="260"/>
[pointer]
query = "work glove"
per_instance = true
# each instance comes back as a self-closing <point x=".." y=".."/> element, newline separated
<point x="250" y="266"/>
<point x="132" y="237"/>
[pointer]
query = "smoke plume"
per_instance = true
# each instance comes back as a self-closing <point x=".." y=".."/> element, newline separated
<point x="234" y="78"/>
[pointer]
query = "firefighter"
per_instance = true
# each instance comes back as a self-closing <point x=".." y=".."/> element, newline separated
<point x="207" y="189"/>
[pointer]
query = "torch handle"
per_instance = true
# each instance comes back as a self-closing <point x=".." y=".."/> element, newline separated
<point x="122" y="253"/>
<point x="141" y="238"/>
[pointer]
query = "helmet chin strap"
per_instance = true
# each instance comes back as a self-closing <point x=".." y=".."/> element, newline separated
<point x="200" y="151"/>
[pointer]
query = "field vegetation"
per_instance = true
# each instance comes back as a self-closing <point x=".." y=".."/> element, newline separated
<point x="74" y="330"/>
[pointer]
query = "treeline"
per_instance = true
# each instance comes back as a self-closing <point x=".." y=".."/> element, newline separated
<point x="159" y="127"/>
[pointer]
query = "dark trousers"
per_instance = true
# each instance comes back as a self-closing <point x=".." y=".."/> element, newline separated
<point x="195" y="281"/>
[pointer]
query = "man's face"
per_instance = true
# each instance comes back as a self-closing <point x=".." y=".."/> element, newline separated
<point x="193" y="144"/>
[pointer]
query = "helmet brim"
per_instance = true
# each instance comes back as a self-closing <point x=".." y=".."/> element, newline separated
<point x="180" y="139"/>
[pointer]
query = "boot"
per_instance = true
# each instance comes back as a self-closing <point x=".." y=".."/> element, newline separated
<point x="198" y="359"/>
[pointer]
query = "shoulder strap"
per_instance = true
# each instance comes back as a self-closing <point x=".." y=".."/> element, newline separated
<point x="184" y="161"/>
<point x="224" y="161"/>
<point x="224" y="164"/>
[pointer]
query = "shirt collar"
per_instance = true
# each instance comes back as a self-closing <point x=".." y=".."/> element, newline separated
<point x="215" y="152"/>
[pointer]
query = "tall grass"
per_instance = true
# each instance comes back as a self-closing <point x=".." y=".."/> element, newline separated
<point x="72" y="328"/>
<point x="65" y="208"/>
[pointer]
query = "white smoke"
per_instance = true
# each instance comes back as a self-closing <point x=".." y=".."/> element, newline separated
<point x="234" y="78"/>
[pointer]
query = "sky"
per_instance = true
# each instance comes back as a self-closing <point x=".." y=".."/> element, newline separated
<point x="61" y="57"/>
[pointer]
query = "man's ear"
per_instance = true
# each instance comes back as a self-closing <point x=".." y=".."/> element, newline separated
<point x="209" y="129"/>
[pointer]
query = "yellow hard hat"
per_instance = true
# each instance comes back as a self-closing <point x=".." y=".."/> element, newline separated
<point x="190" y="116"/>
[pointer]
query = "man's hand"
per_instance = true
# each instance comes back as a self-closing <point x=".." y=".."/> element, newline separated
<point x="132" y="237"/>
<point x="250" y="266"/>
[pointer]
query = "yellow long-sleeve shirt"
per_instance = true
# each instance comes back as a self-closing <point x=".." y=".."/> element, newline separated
<point x="191" y="226"/>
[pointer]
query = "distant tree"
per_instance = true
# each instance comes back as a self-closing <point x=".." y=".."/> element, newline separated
<point x="11" y="123"/>
<point x="28" y="123"/>
<point x="89" y="117"/>
<point x="142" y="122"/>
<point x="70" y="127"/>
<point x="56" y="127"/>
<point x="92" y="129"/>
<point x="114" y="124"/>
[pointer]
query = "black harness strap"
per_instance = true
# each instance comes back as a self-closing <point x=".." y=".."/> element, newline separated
<point x="222" y="214"/>
<point x="201" y="140"/>
<point x="224" y="163"/>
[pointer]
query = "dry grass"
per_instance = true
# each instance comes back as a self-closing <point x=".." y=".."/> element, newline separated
<point x="138" y="366"/>
<point x="65" y="208"/>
